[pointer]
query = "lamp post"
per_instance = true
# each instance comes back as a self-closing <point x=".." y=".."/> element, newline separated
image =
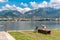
<point x="6" y="28"/>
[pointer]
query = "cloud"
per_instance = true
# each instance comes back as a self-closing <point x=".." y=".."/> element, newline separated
<point x="3" y="0"/>
<point x="54" y="4"/>
<point x="19" y="9"/>
<point x="43" y="4"/>
<point x="26" y="9"/>
<point x="36" y="5"/>
<point x="9" y="7"/>
<point x="54" y="0"/>
<point x="0" y="10"/>
<point x="23" y="10"/>
<point x="14" y="7"/>
<point x="24" y="4"/>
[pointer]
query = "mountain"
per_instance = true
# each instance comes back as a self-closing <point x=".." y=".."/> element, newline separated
<point x="10" y="13"/>
<point x="44" y="13"/>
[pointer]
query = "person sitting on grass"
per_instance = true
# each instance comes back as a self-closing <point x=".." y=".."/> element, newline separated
<point x="43" y="27"/>
<point x="36" y="29"/>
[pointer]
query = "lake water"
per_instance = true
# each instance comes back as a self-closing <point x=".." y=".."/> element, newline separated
<point x="29" y="25"/>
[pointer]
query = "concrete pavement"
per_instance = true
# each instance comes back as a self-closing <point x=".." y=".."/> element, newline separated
<point x="5" y="36"/>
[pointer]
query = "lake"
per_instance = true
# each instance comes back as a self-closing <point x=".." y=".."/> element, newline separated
<point x="29" y="25"/>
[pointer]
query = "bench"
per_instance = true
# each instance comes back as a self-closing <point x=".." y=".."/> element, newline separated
<point x="44" y="31"/>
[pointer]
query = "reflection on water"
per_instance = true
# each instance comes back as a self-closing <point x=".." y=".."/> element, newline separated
<point x="29" y="25"/>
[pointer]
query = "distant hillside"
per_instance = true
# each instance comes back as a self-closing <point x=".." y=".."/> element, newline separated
<point x="10" y="13"/>
<point x="41" y="12"/>
<point x="44" y="13"/>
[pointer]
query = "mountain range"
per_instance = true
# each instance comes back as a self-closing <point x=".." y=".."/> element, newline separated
<point x="46" y="12"/>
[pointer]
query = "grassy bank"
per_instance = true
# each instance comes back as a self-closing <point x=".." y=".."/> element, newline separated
<point x="55" y="35"/>
<point x="20" y="36"/>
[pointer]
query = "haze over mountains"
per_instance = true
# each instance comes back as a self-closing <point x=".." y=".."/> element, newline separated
<point x="46" y="12"/>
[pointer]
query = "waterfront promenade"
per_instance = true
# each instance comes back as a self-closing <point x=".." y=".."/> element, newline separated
<point x="5" y="36"/>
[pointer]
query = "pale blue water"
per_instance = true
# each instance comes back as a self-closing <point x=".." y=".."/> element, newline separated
<point x="29" y="25"/>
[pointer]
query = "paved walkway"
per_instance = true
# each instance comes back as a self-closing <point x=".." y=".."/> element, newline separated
<point x="5" y="36"/>
<point x="2" y="36"/>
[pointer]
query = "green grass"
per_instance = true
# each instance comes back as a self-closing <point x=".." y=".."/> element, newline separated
<point x="55" y="34"/>
<point x="20" y="36"/>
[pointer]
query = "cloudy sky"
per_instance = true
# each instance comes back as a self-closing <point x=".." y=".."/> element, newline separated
<point x="26" y="5"/>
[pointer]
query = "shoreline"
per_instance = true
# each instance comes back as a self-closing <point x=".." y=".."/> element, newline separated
<point x="26" y="30"/>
